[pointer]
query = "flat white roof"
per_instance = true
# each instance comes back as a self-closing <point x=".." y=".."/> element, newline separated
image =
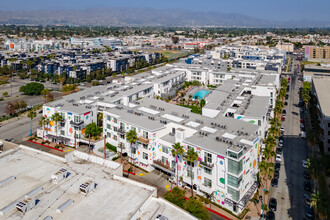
<point x="148" y="110"/>
<point x="172" y="117"/>
<point x="193" y="124"/>
<point x="208" y="129"/>
<point x="244" y="141"/>
<point x="227" y="135"/>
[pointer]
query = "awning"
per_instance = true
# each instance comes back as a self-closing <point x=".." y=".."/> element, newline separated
<point x="58" y="138"/>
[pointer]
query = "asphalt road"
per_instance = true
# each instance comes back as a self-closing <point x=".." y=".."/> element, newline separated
<point x="290" y="191"/>
<point x="19" y="128"/>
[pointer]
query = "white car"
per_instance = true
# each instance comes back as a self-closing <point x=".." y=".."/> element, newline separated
<point x="302" y="134"/>
<point x="278" y="158"/>
<point x="282" y="129"/>
<point x="304" y="164"/>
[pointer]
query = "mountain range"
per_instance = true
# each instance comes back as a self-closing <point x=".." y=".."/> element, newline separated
<point x="144" y="17"/>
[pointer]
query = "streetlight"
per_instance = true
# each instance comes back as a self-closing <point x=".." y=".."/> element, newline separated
<point x="263" y="203"/>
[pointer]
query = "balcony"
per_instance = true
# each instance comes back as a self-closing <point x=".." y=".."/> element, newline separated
<point x="143" y="140"/>
<point x="164" y="167"/>
<point x="121" y="131"/>
<point x="76" y="123"/>
<point x="206" y="164"/>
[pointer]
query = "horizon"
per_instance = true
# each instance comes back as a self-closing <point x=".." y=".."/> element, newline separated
<point x="294" y="10"/>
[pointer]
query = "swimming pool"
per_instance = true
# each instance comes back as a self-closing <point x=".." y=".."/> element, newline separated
<point x="200" y="94"/>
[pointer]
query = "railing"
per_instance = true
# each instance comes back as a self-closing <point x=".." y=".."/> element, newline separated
<point x="120" y="130"/>
<point x="206" y="164"/>
<point x="77" y="123"/>
<point x="143" y="140"/>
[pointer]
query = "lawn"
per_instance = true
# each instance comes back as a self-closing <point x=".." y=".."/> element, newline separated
<point x="170" y="54"/>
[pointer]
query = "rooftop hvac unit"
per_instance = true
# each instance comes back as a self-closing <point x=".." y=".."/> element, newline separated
<point x="87" y="187"/>
<point x="26" y="205"/>
<point x="59" y="175"/>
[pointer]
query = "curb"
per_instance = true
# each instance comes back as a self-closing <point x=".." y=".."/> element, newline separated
<point x="45" y="145"/>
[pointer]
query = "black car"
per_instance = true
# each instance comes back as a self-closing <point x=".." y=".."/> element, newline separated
<point x="276" y="174"/>
<point x="277" y="166"/>
<point x="307" y="186"/>
<point x="309" y="212"/>
<point x="278" y="150"/>
<point x="285" y="103"/>
<point x="275" y="182"/>
<point x="272" y="204"/>
<point x="287" y="97"/>
<point x="270" y="215"/>
<point x="306" y="175"/>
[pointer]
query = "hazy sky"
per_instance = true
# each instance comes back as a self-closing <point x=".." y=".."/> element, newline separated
<point x="266" y="9"/>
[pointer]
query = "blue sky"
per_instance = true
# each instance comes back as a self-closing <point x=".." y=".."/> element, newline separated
<point x="266" y="9"/>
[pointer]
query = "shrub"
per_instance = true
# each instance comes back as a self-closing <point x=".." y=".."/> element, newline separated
<point x="31" y="138"/>
<point x="176" y="196"/>
<point x="195" y="207"/>
<point x="111" y="147"/>
<point x="115" y="158"/>
<point x="5" y="93"/>
<point x="92" y="129"/>
<point x="33" y="88"/>
<point x="42" y="142"/>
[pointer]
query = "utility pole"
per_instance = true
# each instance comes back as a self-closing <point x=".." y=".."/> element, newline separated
<point x="121" y="152"/>
<point x="75" y="140"/>
<point x="105" y="141"/>
<point x="89" y="145"/>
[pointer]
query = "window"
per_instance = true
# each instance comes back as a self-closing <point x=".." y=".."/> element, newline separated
<point x="109" y="118"/>
<point x="145" y="135"/>
<point x="328" y="125"/>
<point x="122" y="136"/>
<point x="145" y="156"/>
<point x="115" y="120"/>
<point x="235" y="167"/>
<point x="133" y="128"/>
<point x="189" y="147"/>
<point x="207" y="182"/>
<point x="234" y="193"/>
<point x="108" y="126"/>
<point x="114" y="137"/>
<point x="133" y="150"/>
<point x="76" y="119"/>
<point x="165" y="149"/>
<point x="122" y="126"/>
<point x="145" y="146"/>
<point x="190" y="174"/>
<point x="328" y="132"/>
<point x="232" y="154"/>
<point x="62" y="132"/>
<point x="208" y="170"/>
<point x="164" y="160"/>
<point x="207" y="157"/>
<point x="328" y="141"/>
<point x="259" y="122"/>
<point x="234" y="181"/>
<point x="173" y="164"/>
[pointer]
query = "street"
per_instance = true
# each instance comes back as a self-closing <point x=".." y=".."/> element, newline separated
<point x="290" y="191"/>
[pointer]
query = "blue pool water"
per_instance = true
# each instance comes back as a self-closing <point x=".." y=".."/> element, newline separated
<point x="200" y="94"/>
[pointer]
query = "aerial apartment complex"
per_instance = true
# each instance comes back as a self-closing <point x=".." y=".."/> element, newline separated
<point x="227" y="136"/>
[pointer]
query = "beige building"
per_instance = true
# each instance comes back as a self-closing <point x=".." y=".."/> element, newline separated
<point x="288" y="47"/>
<point x="319" y="54"/>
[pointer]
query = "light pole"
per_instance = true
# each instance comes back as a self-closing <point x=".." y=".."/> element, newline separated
<point x="263" y="203"/>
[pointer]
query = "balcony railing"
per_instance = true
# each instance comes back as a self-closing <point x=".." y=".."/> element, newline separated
<point x="76" y="123"/>
<point x="206" y="164"/>
<point x="143" y="140"/>
<point x="120" y="130"/>
<point x="165" y="167"/>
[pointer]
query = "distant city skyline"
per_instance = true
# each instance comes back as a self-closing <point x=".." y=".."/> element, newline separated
<point x="279" y="10"/>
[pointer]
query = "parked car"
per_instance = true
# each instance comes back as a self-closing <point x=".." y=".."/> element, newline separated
<point x="277" y="166"/>
<point x="307" y="186"/>
<point x="307" y="199"/>
<point x="302" y="134"/>
<point x="275" y="182"/>
<point x="40" y="112"/>
<point x="283" y="118"/>
<point x="301" y="120"/>
<point x="304" y="164"/>
<point x="287" y="97"/>
<point x="309" y="212"/>
<point x="272" y="204"/>
<point x="278" y="158"/>
<point x="307" y="175"/>
<point x="276" y="174"/>
<point x="302" y="125"/>
<point x="161" y="217"/>
<point x="282" y="129"/>
<point x="270" y="215"/>
<point x="281" y="143"/>
<point x="278" y="150"/>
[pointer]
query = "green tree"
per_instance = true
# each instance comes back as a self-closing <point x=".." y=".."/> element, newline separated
<point x="42" y="122"/>
<point x="176" y="196"/>
<point x="131" y="137"/>
<point x="92" y="129"/>
<point x="202" y="103"/>
<point x="195" y="207"/>
<point x="33" y="88"/>
<point x="44" y="93"/>
<point x="192" y="156"/>
<point x="266" y="170"/>
<point x="209" y="197"/>
<point x="32" y="114"/>
<point x="57" y="117"/>
<point x="5" y="93"/>
<point x="177" y="151"/>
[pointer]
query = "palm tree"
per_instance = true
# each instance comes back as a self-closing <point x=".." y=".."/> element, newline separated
<point x="192" y="156"/>
<point x="275" y="121"/>
<point x="209" y="197"/>
<point x="42" y="122"/>
<point x="269" y="152"/>
<point x="131" y="137"/>
<point x="56" y="118"/>
<point x="176" y="151"/>
<point x="266" y="170"/>
<point x="32" y="114"/>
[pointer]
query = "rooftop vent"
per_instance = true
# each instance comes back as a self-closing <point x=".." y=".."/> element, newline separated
<point x="26" y="205"/>
<point x="59" y="175"/>
<point x="87" y="187"/>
